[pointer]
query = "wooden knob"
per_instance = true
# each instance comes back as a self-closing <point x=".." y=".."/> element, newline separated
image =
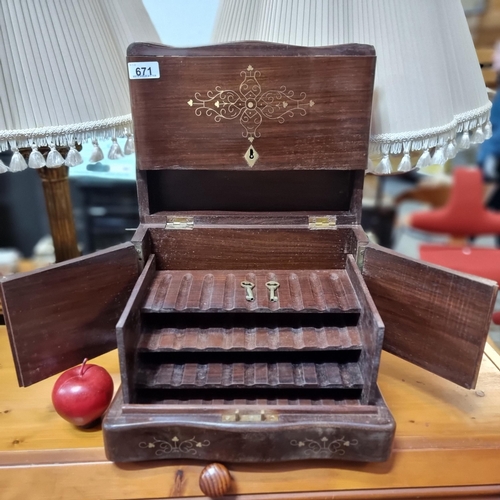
<point x="215" y="480"/>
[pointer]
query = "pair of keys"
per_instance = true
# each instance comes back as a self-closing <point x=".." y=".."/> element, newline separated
<point x="272" y="286"/>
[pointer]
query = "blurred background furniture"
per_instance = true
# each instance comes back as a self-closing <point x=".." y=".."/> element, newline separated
<point x="464" y="213"/>
<point x="106" y="210"/>
<point x="378" y="211"/>
<point x="433" y="193"/>
<point x="104" y="199"/>
<point x="463" y="216"/>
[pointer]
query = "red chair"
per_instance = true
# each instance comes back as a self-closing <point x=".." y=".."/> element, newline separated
<point x="464" y="215"/>
<point x="479" y="261"/>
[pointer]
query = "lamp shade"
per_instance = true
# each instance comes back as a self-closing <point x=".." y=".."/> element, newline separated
<point x="128" y="21"/>
<point x="63" y="75"/>
<point x="429" y="97"/>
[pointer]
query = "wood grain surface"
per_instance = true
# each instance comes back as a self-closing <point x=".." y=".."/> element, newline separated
<point x="320" y="290"/>
<point x="325" y="125"/>
<point x="451" y="492"/>
<point x="215" y="480"/>
<point x="256" y="375"/>
<point x="434" y="317"/>
<point x="254" y="435"/>
<point x="251" y="248"/>
<point x="263" y="339"/>
<point x="446" y="436"/>
<point x="61" y="314"/>
<point x="371" y="330"/>
<point x="128" y="328"/>
<point x="248" y="49"/>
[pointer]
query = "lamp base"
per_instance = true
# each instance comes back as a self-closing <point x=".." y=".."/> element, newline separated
<point x="55" y="182"/>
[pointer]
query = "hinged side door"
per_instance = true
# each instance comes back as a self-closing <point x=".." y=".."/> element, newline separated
<point x="59" y="315"/>
<point x="434" y="317"/>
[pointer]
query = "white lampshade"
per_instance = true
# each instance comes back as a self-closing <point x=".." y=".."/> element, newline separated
<point x="63" y="75"/>
<point x="429" y="97"/>
<point x="128" y="21"/>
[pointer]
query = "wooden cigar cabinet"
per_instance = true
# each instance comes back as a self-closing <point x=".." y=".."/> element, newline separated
<point x="250" y="307"/>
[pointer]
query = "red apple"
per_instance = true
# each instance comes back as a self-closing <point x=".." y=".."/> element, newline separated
<point x="82" y="394"/>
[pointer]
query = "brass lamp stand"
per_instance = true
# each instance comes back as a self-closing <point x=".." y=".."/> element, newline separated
<point x="55" y="182"/>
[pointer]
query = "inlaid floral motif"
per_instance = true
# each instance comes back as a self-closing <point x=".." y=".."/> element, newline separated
<point x="174" y="446"/>
<point x="250" y="104"/>
<point x="324" y="447"/>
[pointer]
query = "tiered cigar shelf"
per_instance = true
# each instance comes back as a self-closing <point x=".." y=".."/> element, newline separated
<point x="302" y="349"/>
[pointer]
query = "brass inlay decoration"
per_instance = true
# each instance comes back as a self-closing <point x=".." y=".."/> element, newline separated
<point x="261" y="416"/>
<point x="324" y="447"/>
<point x="174" y="446"/>
<point x="251" y="106"/>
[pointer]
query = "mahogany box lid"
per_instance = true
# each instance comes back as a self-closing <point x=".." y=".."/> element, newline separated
<point x="234" y="129"/>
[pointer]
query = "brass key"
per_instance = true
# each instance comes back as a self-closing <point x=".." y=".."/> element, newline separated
<point x="248" y="286"/>
<point x="272" y="287"/>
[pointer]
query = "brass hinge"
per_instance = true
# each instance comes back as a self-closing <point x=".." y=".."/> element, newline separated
<point x="262" y="416"/>
<point x="360" y="257"/>
<point x="322" y="222"/>
<point x="179" y="223"/>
